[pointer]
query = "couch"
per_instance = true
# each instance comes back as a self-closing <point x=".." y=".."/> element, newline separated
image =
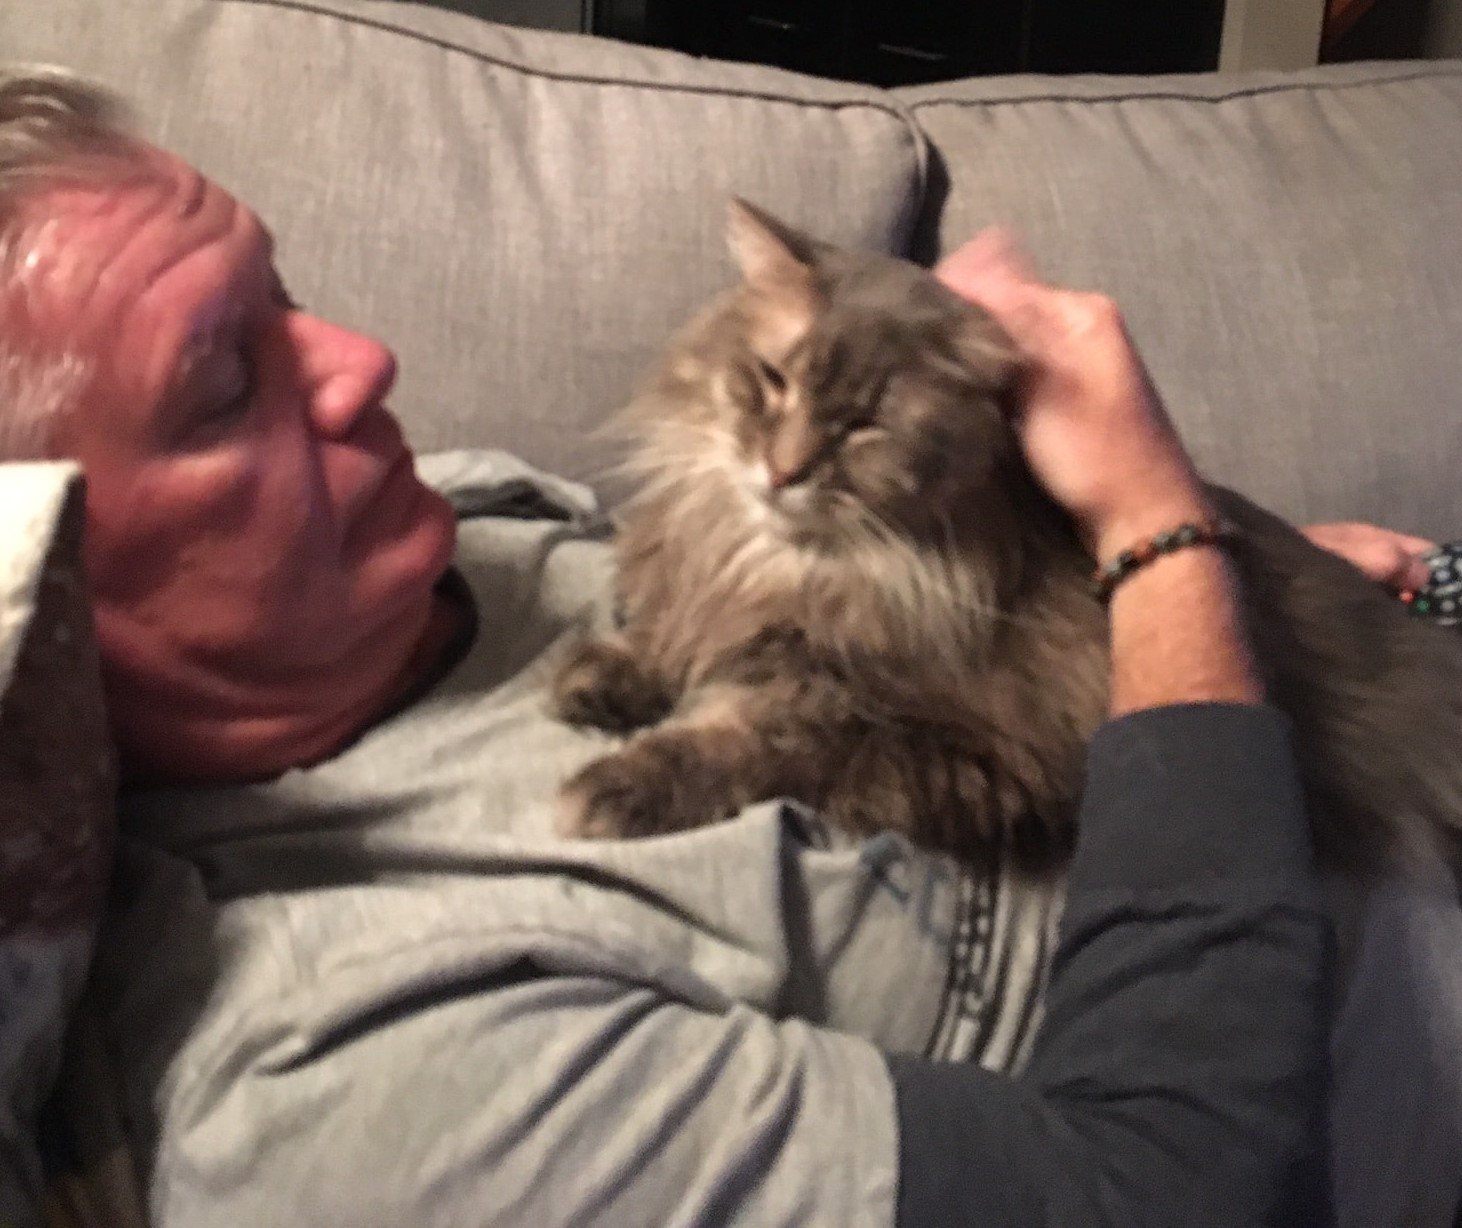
<point x="527" y="216"/>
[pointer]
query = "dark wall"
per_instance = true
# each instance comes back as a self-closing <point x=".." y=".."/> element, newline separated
<point x="1138" y="36"/>
<point x="891" y="42"/>
<point x="1392" y="30"/>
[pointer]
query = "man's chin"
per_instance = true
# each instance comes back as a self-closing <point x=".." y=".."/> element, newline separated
<point x="397" y="580"/>
<point x="416" y="554"/>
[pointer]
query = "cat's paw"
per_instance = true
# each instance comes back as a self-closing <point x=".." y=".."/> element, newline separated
<point x="627" y="794"/>
<point x="600" y="684"/>
<point x="612" y="798"/>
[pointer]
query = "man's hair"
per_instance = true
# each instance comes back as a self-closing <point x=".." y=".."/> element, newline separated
<point x="55" y="130"/>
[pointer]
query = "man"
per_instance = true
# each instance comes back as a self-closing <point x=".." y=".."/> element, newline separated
<point x="261" y="552"/>
<point x="353" y="979"/>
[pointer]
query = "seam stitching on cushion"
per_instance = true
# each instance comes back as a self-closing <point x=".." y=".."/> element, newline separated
<point x="1288" y="87"/>
<point x="917" y="138"/>
<point x="889" y="107"/>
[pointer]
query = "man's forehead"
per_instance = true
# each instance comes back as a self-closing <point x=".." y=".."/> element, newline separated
<point x="120" y="237"/>
<point x="151" y="180"/>
<point x="130" y="269"/>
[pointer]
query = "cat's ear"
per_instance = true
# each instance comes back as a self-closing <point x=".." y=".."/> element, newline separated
<point x="771" y="255"/>
<point x="777" y="264"/>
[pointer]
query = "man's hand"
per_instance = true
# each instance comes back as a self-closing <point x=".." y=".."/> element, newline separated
<point x="1091" y="425"/>
<point x="1387" y="557"/>
<point x="1096" y="436"/>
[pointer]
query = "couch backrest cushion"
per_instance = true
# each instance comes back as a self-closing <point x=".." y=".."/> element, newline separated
<point x="1288" y="250"/>
<point x="524" y="216"/>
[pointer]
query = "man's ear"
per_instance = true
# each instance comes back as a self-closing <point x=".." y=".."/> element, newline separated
<point x="770" y="254"/>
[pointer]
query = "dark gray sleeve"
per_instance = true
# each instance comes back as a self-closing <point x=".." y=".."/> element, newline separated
<point x="1179" y="1074"/>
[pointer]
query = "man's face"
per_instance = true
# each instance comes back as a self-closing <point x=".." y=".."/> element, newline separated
<point x="256" y="530"/>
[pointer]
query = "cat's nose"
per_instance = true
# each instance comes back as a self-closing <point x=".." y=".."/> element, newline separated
<point x="790" y="468"/>
<point x="792" y="452"/>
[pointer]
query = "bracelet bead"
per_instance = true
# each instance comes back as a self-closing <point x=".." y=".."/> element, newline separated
<point x="1200" y="533"/>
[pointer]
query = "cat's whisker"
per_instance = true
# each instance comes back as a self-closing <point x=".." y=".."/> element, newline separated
<point x="681" y="461"/>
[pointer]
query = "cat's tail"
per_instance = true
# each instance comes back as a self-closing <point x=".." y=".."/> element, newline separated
<point x="1375" y="695"/>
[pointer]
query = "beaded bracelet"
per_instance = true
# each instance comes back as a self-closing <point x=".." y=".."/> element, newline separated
<point x="1200" y="533"/>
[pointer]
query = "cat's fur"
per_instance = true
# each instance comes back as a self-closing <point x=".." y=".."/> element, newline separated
<point x="903" y="635"/>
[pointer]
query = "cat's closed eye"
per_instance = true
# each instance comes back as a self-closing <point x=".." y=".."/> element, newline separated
<point x="865" y="420"/>
<point x="771" y="375"/>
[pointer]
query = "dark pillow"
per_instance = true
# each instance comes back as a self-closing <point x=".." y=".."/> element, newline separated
<point x="57" y="787"/>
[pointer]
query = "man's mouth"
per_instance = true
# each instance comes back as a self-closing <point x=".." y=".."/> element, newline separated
<point x="380" y="495"/>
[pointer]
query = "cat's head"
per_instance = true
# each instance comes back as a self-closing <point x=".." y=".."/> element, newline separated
<point x="848" y="392"/>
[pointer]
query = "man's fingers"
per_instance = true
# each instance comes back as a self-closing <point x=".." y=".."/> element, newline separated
<point x="1416" y="545"/>
<point x="1399" y="569"/>
<point x="994" y="249"/>
<point x="992" y="264"/>
<point x="1414" y="574"/>
<point x="1385" y="556"/>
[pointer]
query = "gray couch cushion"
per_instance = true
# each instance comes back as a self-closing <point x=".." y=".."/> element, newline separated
<point x="1288" y="250"/>
<point x="524" y="216"/>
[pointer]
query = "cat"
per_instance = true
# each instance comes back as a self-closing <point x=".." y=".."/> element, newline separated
<point x="840" y="583"/>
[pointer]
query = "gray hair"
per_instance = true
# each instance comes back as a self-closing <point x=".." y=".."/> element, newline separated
<point x="55" y="130"/>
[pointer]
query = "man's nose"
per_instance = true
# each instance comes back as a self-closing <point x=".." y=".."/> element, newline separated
<point x="348" y="373"/>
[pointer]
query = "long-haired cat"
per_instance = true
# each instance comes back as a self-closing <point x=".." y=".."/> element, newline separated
<point x="840" y="583"/>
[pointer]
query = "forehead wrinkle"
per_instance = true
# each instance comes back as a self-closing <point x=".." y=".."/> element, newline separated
<point x="139" y="212"/>
<point x="210" y="231"/>
<point x="138" y="231"/>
